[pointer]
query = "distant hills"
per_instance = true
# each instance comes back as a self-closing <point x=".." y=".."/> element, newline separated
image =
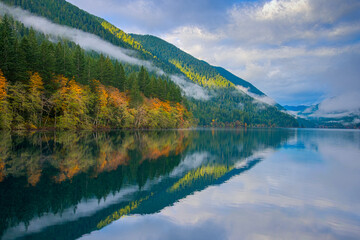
<point x="315" y="116"/>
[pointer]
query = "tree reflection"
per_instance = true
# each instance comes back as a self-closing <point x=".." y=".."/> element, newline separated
<point x="51" y="172"/>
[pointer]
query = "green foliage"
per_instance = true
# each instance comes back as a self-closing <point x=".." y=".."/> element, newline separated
<point x="52" y="86"/>
<point x="198" y="71"/>
<point x="229" y="108"/>
<point x="64" y="13"/>
<point x="36" y="54"/>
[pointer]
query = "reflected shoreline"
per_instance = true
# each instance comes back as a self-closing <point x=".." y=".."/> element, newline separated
<point x="46" y="174"/>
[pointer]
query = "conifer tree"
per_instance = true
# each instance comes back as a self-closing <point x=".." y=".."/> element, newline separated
<point x="7" y="51"/>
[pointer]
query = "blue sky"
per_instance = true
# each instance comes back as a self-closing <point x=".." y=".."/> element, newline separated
<point x="296" y="51"/>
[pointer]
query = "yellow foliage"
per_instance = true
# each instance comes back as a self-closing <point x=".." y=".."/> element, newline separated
<point x="3" y="86"/>
<point x="213" y="172"/>
<point x="124" y="37"/>
<point x="206" y="81"/>
<point x="122" y="212"/>
<point x="36" y="83"/>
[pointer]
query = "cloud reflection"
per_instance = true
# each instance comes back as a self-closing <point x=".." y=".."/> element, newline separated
<point x="284" y="197"/>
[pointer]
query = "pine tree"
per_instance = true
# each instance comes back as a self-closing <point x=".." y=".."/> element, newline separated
<point x="130" y="81"/>
<point x="121" y="77"/>
<point x="150" y="88"/>
<point x="33" y="53"/>
<point x="21" y="72"/>
<point x="109" y="72"/>
<point x="135" y="95"/>
<point x="7" y="51"/>
<point x="47" y="62"/>
<point x="78" y="59"/>
<point x="142" y="78"/>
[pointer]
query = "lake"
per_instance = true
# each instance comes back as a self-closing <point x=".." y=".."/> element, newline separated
<point x="181" y="184"/>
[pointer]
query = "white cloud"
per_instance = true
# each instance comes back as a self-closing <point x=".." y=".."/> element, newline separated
<point x="290" y="49"/>
<point x="282" y="10"/>
<point x="92" y="42"/>
<point x="339" y="106"/>
<point x="85" y="40"/>
<point x="296" y="51"/>
<point x="263" y="99"/>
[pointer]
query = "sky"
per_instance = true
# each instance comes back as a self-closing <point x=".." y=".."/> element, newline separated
<point x="296" y="51"/>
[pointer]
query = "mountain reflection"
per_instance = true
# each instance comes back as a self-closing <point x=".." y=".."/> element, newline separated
<point x="61" y="185"/>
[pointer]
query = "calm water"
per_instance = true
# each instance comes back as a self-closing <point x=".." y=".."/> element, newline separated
<point x="191" y="184"/>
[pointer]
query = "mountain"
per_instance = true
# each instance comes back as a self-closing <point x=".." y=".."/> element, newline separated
<point x="197" y="70"/>
<point x="239" y="81"/>
<point x="224" y="102"/>
<point x="316" y="116"/>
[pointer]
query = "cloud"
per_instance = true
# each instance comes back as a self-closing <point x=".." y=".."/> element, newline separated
<point x="85" y="40"/>
<point x="263" y="98"/>
<point x="92" y="42"/>
<point x="340" y="106"/>
<point x="293" y="50"/>
<point x="296" y="51"/>
<point x="190" y="89"/>
<point x="157" y="16"/>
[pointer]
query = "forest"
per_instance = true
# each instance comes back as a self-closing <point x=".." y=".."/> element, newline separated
<point x="150" y="101"/>
<point x="58" y="85"/>
<point x="227" y="107"/>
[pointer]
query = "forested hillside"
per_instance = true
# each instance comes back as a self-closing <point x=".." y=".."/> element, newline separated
<point x="226" y="106"/>
<point x="58" y="85"/>
<point x="65" y="13"/>
<point x="198" y="71"/>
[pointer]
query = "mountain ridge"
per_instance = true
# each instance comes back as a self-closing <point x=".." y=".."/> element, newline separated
<point x="226" y="106"/>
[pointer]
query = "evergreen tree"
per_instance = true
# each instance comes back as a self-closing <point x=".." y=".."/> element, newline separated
<point x="7" y="51"/>
<point x="79" y="64"/>
<point x="143" y="78"/>
<point x="109" y="72"/>
<point x="136" y="97"/>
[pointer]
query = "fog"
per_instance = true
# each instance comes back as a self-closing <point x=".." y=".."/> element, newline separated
<point x="92" y="42"/>
<point x="258" y="98"/>
<point x="191" y="89"/>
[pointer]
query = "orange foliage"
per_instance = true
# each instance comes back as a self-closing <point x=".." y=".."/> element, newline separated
<point x="75" y="88"/>
<point x="181" y="146"/>
<point x="2" y="170"/>
<point x="117" y="98"/>
<point x="156" y="152"/>
<point x="158" y="104"/>
<point x="34" y="177"/>
<point x="111" y="161"/>
<point x="3" y="86"/>
<point x="67" y="173"/>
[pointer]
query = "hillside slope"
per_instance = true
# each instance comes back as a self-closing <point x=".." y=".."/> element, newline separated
<point x="226" y="105"/>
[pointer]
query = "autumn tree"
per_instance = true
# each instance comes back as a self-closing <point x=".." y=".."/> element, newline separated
<point x="5" y="113"/>
<point x="36" y="98"/>
<point x="70" y="104"/>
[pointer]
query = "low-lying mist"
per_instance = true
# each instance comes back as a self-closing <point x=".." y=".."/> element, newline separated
<point x="92" y="42"/>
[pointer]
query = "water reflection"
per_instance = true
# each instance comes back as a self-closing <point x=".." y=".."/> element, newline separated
<point x="62" y="185"/>
<point x="308" y="189"/>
